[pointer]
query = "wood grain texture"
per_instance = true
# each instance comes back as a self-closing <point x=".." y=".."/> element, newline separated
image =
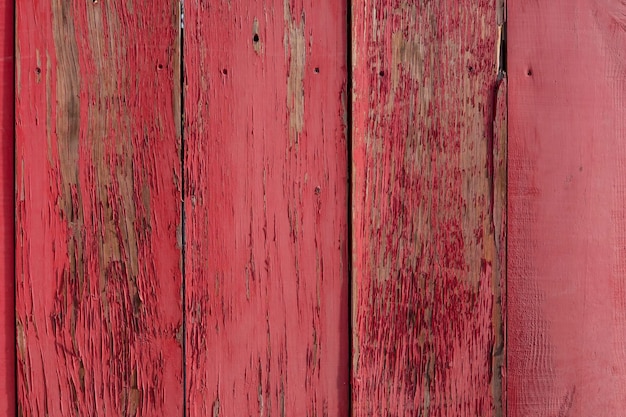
<point x="7" y="218"/>
<point x="98" y="206"/>
<point x="567" y="199"/>
<point x="428" y="205"/>
<point x="266" y="208"/>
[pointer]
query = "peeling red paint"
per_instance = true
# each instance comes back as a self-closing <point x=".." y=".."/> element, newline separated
<point x="266" y="208"/>
<point x="266" y="215"/>
<point x="98" y="189"/>
<point x="427" y="252"/>
<point x="104" y="176"/>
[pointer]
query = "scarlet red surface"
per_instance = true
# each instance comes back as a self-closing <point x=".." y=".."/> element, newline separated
<point x="99" y="309"/>
<point x="254" y="184"/>
<point x="266" y="208"/>
<point x="7" y="219"/>
<point x="567" y="208"/>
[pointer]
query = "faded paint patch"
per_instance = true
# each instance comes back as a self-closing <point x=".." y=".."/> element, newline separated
<point x="295" y="53"/>
<point x="407" y="54"/>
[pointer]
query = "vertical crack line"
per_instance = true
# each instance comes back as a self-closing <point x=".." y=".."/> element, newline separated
<point x="350" y="202"/>
<point x="497" y="209"/>
<point x="14" y="261"/>
<point x="504" y="280"/>
<point x="183" y="225"/>
<point x="503" y="269"/>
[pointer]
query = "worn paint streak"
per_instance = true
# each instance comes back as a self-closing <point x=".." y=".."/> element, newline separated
<point x="295" y="53"/>
<point x="266" y="208"/>
<point x="7" y="230"/>
<point x="428" y="209"/>
<point x="567" y="217"/>
<point x="98" y="204"/>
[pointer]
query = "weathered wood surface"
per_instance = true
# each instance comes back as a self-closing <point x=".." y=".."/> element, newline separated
<point x="567" y="199"/>
<point x="7" y="219"/>
<point x="428" y="202"/>
<point x="98" y="206"/>
<point x="266" y="208"/>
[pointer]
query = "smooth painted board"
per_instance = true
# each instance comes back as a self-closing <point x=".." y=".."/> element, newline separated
<point x="98" y="276"/>
<point x="266" y="224"/>
<point x="567" y="208"/>
<point x="427" y="209"/>
<point x="7" y="218"/>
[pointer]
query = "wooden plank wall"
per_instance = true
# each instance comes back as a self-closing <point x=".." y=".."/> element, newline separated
<point x="266" y="208"/>
<point x="7" y="222"/>
<point x="428" y="202"/>
<point x="567" y="230"/>
<point x="98" y="277"/>
<point x="240" y="212"/>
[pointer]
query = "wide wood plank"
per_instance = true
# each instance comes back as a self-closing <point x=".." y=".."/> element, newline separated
<point x="98" y="206"/>
<point x="266" y="208"/>
<point x="7" y="219"/>
<point x="428" y="205"/>
<point x="567" y="199"/>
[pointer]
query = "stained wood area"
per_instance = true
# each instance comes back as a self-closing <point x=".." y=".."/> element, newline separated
<point x="98" y="208"/>
<point x="266" y="208"/>
<point x="567" y="199"/>
<point x="7" y="219"/>
<point x="428" y="203"/>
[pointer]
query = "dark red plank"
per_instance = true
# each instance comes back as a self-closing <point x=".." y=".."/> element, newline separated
<point x="567" y="199"/>
<point x="98" y="207"/>
<point x="266" y="208"/>
<point x="428" y="203"/>
<point x="7" y="219"/>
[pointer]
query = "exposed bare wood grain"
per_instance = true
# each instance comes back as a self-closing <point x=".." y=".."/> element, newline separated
<point x="266" y="208"/>
<point x="567" y="199"/>
<point x="98" y="206"/>
<point x="428" y="209"/>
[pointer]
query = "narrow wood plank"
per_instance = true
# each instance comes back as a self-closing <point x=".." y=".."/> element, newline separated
<point x="567" y="199"/>
<point x="266" y="208"/>
<point x="7" y="218"/>
<point x="98" y="206"/>
<point x="427" y="231"/>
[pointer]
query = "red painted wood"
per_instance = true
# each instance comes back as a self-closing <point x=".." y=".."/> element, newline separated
<point x="427" y="209"/>
<point x="567" y="199"/>
<point x="7" y="230"/>
<point x="266" y="208"/>
<point x="98" y="207"/>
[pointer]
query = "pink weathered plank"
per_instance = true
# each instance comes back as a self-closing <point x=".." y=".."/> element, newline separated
<point x="567" y="217"/>
<point x="428" y="204"/>
<point x="266" y="208"/>
<point x="7" y="219"/>
<point x="98" y="275"/>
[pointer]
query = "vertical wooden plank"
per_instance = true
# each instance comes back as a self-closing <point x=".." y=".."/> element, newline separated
<point x="266" y="208"/>
<point x="567" y="229"/>
<point x="7" y="219"/>
<point x="98" y="207"/>
<point x="427" y="231"/>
